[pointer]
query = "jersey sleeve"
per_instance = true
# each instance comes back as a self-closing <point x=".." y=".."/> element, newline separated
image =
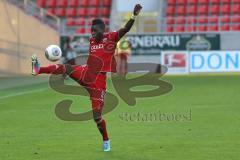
<point x="113" y="36"/>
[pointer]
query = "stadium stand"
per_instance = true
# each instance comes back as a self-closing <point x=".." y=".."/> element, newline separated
<point x="202" y="15"/>
<point x="77" y="13"/>
<point x="75" y="16"/>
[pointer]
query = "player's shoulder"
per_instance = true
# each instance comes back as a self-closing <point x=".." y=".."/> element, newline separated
<point x="110" y="35"/>
<point x="110" y="32"/>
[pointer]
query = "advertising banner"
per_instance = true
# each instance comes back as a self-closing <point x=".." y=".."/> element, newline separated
<point x="214" y="61"/>
<point x="154" y="44"/>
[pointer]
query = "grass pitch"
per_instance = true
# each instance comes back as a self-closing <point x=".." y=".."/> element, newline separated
<point x="29" y="128"/>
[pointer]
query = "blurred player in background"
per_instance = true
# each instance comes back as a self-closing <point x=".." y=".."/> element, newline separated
<point x="70" y="54"/>
<point x="92" y="76"/>
<point x="123" y="51"/>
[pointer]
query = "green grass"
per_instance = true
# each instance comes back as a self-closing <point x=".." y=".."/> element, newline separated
<point x="30" y="130"/>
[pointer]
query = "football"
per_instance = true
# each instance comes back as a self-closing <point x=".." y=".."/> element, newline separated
<point x="53" y="53"/>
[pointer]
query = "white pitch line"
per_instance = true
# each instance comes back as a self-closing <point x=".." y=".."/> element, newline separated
<point x="22" y="93"/>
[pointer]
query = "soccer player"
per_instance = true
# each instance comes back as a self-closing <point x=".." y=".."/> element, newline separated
<point x="92" y="76"/>
<point x="122" y="53"/>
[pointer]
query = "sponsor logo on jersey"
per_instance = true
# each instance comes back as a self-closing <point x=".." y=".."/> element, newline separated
<point x="104" y="40"/>
<point x="94" y="47"/>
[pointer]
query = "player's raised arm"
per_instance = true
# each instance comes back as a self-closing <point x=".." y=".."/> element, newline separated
<point x="130" y="23"/>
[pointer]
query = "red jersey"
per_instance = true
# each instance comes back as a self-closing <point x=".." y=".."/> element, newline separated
<point x="101" y="54"/>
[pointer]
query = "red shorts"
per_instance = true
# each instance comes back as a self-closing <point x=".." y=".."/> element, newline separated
<point x="95" y="84"/>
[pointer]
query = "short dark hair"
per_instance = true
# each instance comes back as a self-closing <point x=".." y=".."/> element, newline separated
<point x="98" y="21"/>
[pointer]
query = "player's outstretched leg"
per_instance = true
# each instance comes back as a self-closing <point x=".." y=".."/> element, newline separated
<point x="51" y="69"/>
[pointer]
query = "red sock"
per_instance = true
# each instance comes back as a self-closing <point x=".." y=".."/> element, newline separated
<point x="53" y="69"/>
<point x="103" y="130"/>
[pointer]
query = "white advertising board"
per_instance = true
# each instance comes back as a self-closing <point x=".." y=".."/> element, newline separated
<point x="214" y="61"/>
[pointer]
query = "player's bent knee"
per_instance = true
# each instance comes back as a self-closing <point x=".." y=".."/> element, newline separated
<point x="97" y="116"/>
<point x="99" y="120"/>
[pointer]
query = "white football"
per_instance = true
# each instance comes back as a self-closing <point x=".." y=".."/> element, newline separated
<point x="53" y="53"/>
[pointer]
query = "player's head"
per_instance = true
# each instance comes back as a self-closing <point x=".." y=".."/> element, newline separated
<point x="97" y="29"/>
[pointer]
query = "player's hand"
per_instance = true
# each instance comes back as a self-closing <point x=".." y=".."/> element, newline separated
<point x="137" y="9"/>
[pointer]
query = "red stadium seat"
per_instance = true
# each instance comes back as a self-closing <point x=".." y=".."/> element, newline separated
<point x="73" y="3"/>
<point x="80" y="22"/>
<point x="93" y="2"/>
<point x="51" y="3"/>
<point x="190" y="28"/>
<point x="82" y="12"/>
<point x="203" y="1"/>
<point x="235" y="27"/>
<point x="50" y="11"/>
<point x="225" y="19"/>
<point x="191" y="20"/>
<point x="213" y="28"/>
<point x="214" y="9"/>
<point x="235" y="19"/>
<point x="93" y="11"/>
<point x="170" y="10"/>
<point x="192" y="10"/>
<point x="183" y="2"/>
<point x="179" y="28"/>
<point x="225" y="27"/>
<point x="180" y="10"/>
<point x="70" y="22"/>
<point x="202" y="19"/>
<point x="203" y="9"/>
<point x="105" y="11"/>
<point x="169" y="28"/>
<point x="225" y="9"/>
<point x="226" y="1"/>
<point x="88" y="31"/>
<point x="71" y="12"/>
<point x="170" y="20"/>
<point x="213" y="19"/>
<point x="80" y="30"/>
<point x="83" y="2"/>
<point x="236" y="1"/>
<point x="107" y="2"/>
<point x="41" y="3"/>
<point x="180" y="20"/>
<point x="202" y="28"/>
<point x="236" y="8"/>
<point x="90" y="20"/>
<point x="62" y="3"/>
<point x="171" y="2"/>
<point x="192" y="1"/>
<point x="215" y="1"/>
<point x="60" y="12"/>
